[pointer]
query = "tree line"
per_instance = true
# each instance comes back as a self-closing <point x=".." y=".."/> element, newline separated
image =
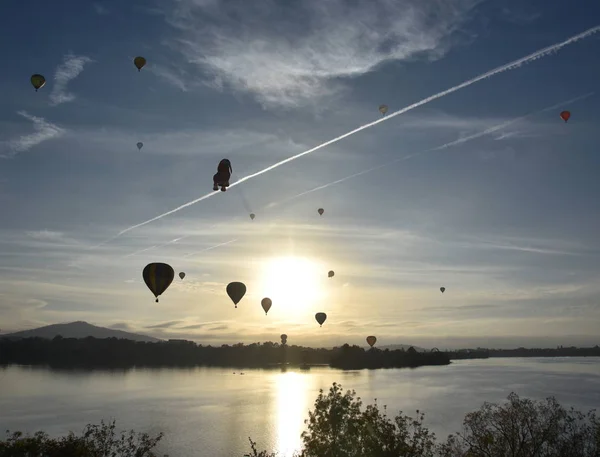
<point x="121" y="353"/>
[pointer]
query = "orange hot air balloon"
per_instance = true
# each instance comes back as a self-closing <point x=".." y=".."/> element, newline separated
<point x="565" y="115"/>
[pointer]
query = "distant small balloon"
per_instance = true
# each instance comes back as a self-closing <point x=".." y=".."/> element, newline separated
<point x="140" y="145"/>
<point x="443" y="289"/>
<point x="565" y="115"/>
<point x="236" y="291"/>
<point x="252" y="216"/>
<point x="371" y="340"/>
<point x="182" y="275"/>
<point x="283" y="338"/>
<point x="38" y="81"/>
<point x="321" y="211"/>
<point x="266" y="304"/>
<point x="139" y="62"/>
<point x="383" y="109"/>
<point x="331" y="274"/>
<point x="320" y="317"/>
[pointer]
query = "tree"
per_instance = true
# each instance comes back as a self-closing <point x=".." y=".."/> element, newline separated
<point x="96" y="441"/>
<point x="525" y="428"/>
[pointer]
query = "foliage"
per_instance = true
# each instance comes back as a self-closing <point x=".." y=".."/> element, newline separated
<point x="96" y="441"/>
<point x="339" y="427"/>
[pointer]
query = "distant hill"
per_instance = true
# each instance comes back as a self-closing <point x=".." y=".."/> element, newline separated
<point x="78" y="329"/>
<point x="393" y="347"/>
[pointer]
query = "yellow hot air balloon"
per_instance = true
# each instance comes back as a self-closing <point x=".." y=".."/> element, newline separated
<point x="383" y="109"/>
<point x="38" y="81"/>
<point x="371" y="340"/>
<point x="139" y="62"/>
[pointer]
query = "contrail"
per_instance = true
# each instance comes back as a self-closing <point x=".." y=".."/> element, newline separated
<point x="509" y="66"/>
<point x="437" y="148"/>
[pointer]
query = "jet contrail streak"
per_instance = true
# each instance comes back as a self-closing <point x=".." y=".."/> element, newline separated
<point x="437" y="148"/>
<point x="509" y="66"/>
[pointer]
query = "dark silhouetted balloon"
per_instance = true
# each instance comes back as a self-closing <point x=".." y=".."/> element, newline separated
<point x="38" y="81"/>
<point x="158" y="277"/>
<point x="565" y="115"/>
<point x="266" y="304"/>
<point x="320" y="317"/>
<point x="236" y="291"/>
<point x="371" y="340"/>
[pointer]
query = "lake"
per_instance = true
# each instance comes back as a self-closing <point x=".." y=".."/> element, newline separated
<point x="212" y="411"/>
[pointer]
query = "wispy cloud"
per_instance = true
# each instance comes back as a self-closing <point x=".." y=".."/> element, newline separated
<point x="44" y="130"/>
<point x="71" y="67"/>
<point x="175" y="77"/>
<point x="291" y="54"/>
<point x="100" y="9"/>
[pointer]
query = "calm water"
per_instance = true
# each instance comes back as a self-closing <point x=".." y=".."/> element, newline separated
<point x="211" y="412"/>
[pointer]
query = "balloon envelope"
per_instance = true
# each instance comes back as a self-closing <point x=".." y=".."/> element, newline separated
<point x="565" y="115"/>
<point x="320" y="317"/>
<point x="38" y="81"/>
<point x="158" y="277"/>
<point x="371" y="340"/>
<point x="321" y="211"/>
<point x="383" y="109"/>
<point x="139" y="145"/>
<point x="252" y="216"/>
<point x="266" y="304"/>
<point x="283" y="338"/>
<point x="236" y="290"/>
<point x="330" y="274"/>
<point x="182" y="275"/>
<point x="139" y="62"/>
<point x="443" y="289"/>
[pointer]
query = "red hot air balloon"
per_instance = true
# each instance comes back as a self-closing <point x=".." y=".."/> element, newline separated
<point x="565" y="115"/>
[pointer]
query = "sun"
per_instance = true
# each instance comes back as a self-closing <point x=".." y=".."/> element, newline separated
<point x="293" y="283"/>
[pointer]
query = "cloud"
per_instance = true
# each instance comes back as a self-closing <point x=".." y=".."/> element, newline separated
<point x="165" y="324"/>
<point x="121" y="326"/>
<point x="45" y="235"/>
<point x="68" y="70"/>
<point x="44" y="130"/>
<point x="100" y="9"/>
<point x="292" y="54"/>
<point x="174" y="77"/>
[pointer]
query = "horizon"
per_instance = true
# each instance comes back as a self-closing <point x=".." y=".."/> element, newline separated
<point x="471" y="181"/>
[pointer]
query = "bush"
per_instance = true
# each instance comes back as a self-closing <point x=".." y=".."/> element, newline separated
<point x="337" y="427"/>
<point x="96" y="441"/>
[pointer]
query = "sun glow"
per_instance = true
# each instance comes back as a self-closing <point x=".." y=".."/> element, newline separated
<point x="293" y="283"/>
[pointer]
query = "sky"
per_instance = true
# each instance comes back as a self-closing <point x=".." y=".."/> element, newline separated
<point x="481" y="189"/>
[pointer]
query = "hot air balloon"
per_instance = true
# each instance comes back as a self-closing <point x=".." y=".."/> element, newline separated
<point x="252" y="216"/>
<point x="236" y="290"/>
<point x="38" y="81"/>
<point x="565" y="115"/>
<point x="320" y="211"/>
<point x="371" y="340"/>
<point x="266" y="304"/>
<point x="443" y="289"/>
<point x="320" y="317"/>
<point x="331" y="273"/>
<point x="139" y="62"/>
<point x="158" y="276"/>
<point x="383" y="109"/>
<point x="182" y="275"/>
<point x="140" y="145"/>
<point x="222" y="176"/>
<point x="283" y="338"/>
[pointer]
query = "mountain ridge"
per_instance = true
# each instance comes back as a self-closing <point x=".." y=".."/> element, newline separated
<point x="78" y="329"/>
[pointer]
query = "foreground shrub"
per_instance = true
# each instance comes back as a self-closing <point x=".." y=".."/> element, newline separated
<point x="96" y="441"/>
<point x="337" y="427"/>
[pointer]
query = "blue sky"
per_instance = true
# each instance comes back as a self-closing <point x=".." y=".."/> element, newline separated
<point x="497" y="201"/>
